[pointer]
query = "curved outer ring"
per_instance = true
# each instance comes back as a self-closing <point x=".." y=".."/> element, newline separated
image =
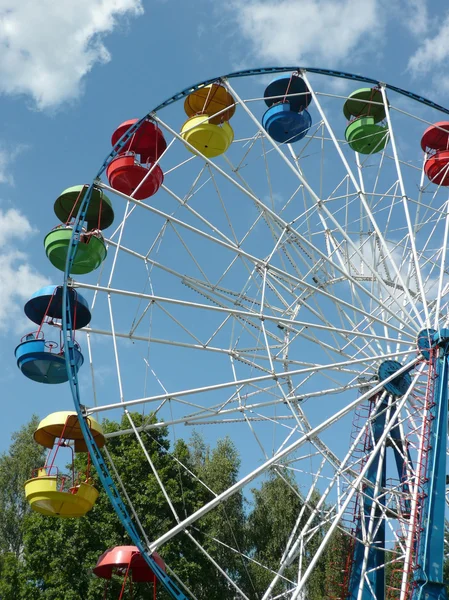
<point x="100" y="466"/>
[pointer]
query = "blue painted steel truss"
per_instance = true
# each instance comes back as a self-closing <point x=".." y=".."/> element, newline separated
<point x="428" y="550"/>
<point x="375" y="570"/>
<point x="428" y="577"/>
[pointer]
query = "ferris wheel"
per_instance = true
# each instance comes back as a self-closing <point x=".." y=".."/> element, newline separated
<point x="274" y="269"/>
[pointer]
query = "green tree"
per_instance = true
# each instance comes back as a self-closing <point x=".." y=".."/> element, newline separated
<point x="16" y="466"/>
<point x="335" y="563"/>
<point x="277" y="505"/>
<point x="275" y="509"/>
<point x="12" y="582"/>
<point x="59" y="554"/>
<point x="223" y="529"/>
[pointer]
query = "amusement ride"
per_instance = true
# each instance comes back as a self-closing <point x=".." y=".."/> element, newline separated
<point x="278" y="274"/>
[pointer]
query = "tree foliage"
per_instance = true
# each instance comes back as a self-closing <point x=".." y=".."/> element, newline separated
<point x="15" y="468"/>
<point x="57" y="555"/>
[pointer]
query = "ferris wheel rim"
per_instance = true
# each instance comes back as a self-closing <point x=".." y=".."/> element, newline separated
<point x="272" y="71"/>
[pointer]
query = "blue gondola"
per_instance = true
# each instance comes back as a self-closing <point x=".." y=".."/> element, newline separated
<point x="284" y="125"/>
<point x="40" y="360"/>
<point x="281" y="88"/>
<point x="47" y="302"/>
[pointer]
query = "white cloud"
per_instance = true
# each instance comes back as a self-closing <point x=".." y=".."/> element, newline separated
<point x="47" y="47"/>
<point x="7" y="155"/>
<point x="13" y="225"/>
<point x="416" y="16"/>
<point x="5" y="175"/>
<point x="18" y="281"/>
<point x="327" y="31"/>
<point x="432" y="52"/>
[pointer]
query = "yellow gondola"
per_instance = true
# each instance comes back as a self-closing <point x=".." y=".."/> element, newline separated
<point x="65" y="423"/>
<point x="210" y="100"/>
<point x="49" y="492"/>
<point x="47" y="495"/>
<point x="209" y="139"/>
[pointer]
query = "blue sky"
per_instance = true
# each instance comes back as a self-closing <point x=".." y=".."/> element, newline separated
<point x="72" y="71"/>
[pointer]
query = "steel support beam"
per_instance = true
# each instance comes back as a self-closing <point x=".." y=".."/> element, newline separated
<point x="428" y="577"/>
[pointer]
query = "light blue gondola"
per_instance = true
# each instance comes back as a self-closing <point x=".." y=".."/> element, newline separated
<point x="40" y="360"/>
<point x="284" y="125"/>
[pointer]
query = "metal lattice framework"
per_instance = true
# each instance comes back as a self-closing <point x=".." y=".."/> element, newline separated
<point x="260" y="294"/>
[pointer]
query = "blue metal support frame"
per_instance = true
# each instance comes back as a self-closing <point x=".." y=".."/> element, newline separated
<point x="401" y="450"/>
<point x="96" y="455"/>
<point x="376" y="558"/>
<point x="428" y="578"/>
<point x="374" y="577"/>
<point x="376" y="555"/>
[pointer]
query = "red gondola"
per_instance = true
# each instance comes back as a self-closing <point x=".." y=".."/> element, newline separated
<point x="435" y="142"/>
<point x="126" y="175"/>
<point x="127" y="561"/>
<point x="148" y="140"/>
